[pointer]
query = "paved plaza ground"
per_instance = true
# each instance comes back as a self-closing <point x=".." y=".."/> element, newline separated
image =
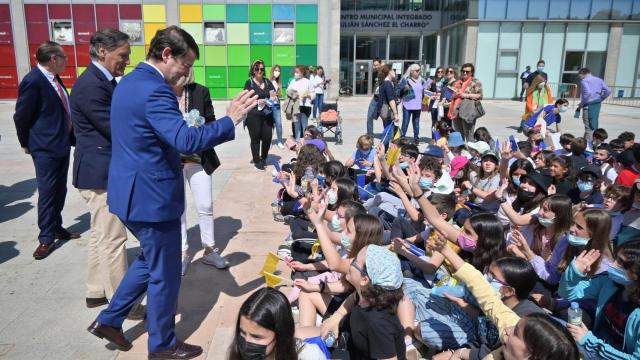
<point x="42" y="310"/>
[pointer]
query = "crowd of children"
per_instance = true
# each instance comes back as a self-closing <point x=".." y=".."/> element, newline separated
<point x="487" y="249"/>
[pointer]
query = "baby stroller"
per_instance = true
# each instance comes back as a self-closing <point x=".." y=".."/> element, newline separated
<point x="330" y="121"/>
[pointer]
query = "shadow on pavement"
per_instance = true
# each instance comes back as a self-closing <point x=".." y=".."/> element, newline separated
<point x="19" y="191"/>
<point x="224" y="229"/>
<point x="8" y="251"/>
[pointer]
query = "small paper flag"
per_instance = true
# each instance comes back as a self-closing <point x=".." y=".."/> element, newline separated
<point x="392" y="155"/>
<point x="396" y="136"/>
<point x="272" y="280"/>
<point x="270" y="263"/>
<point x="315" y="247"/>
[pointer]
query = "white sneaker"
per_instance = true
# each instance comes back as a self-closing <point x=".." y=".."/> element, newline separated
<point x="185" y="264"/>
<point x="281" y="146"/>
<point x="216" y="260"/>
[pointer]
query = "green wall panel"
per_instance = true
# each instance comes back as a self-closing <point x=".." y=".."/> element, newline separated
<point x="284" y="55"/>
<point x="198" y="75"/>
<point x="215" y="55"/>
<point x="287" y="75"/>
<point x="307" y="54"/>
<point x="307" y="13"/>
<point x="260" y="33"/>
<point x="218" y="93"/>
<point x="233" y="92"/>
<point x="195" y="30"/>
<point x="262" y="52"/>
<point x="214" y="12"/>
<point x="200" y="61"/>
<point x="216" y="76"/>
<point x="237" y="13"/>
<point x="238" y="55"/>
<point x="260" y="13"/>
<point x="237" y="33"/>
<point x="306" y="34"/>
<point x="238" y="75"/>
<point x="137" y="54"/>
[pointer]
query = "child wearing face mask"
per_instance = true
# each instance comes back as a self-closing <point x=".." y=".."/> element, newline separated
<point x="539" y="94"/>
<point x="588" y="184"/>
<point x="602" y="158"/>
<point x="617" y="200"/>
<point x="630" y="228"/>
<point x="547" y="116"/>
<point x="265" y="330"/>
<point x="616" y="330"/>
<point x="364" y="155"/>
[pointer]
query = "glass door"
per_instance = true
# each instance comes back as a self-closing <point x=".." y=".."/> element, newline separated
<point x="362" y="83"/>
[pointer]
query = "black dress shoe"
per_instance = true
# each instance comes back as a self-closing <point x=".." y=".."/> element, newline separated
<point x="64" y="234"/>
<point x="43" y="250"/>
<point x="180" y="351"/>
<point x="115" y="335"/>
<point x="259" y="165"/>
<point x="95" y="302"/>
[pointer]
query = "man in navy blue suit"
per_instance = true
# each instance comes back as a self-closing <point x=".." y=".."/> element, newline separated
<point x="91" y="113"/>
<point x="44" y="129"/>
<point x="146" y="189"/>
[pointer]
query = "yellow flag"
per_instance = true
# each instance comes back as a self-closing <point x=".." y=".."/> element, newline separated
<point x="272" y="280"/>
<point x="392" y="155"/>
<point x="270" y="263"/>
<point x="396" y="136"/>
<point x="315" y="247"/>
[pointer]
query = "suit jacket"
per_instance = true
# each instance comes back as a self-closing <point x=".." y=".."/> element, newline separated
<point x="199" y="98"/>
<point x="40" y="117"/>
<point x="148" y="134"/>
<point x="90" y="112"/>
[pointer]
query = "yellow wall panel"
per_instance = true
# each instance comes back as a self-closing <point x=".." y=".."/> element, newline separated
<point x="190" y="13"/>
<point x="154" y="13"/>
<point x="150" y="31"/>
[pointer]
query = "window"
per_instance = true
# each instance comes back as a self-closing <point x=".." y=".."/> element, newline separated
<point x="347" y="5"/>
<point x="580" y="9"/>
<point x="508" y="61"/>
<point x="621" y="9"/>
<point x="538" y="9"/>
<point x="372" y="5"/>
<point x="369" y="47"/>
<point x="601" y="9"/>
<point x="62" y="31"/>
<point x="429" y="48"/>
<point x="573" y="60"/>
<point x="283" y="33"/>
<point x="214" y="33"/>
<point x="346" y="61"/>
<point x="134" y="30"/>
<point x="559" y="9"/>
<point x="404" y="47"/>
<point x="517" y="9"/>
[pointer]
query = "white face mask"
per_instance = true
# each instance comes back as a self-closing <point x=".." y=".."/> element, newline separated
<point x="276" y="73"/>
<point x="541" y="85"/>
<point x="297" y="76"/>
<point x="332" y="197"/>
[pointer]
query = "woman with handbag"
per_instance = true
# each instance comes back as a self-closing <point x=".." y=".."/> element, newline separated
<point x="439" y="81"/>
<point x="467" y="88"/>
<point x="260" y="118"/>
<point x="412" y="88"/>
<point x="195" y="103"/>
<point x="387" y="106"/>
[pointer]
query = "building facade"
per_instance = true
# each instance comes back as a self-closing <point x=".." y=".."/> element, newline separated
<point x="501" y="37"/>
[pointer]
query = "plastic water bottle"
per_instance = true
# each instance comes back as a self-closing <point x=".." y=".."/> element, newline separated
<point x="330" y="340"/>
<point x="307" y="179"/>
<point x="575" y="314"/>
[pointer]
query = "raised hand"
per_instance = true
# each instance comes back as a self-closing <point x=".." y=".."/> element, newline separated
<point x="414" y="179"/>
<point x="586" y="259"/>
<point x="505" y="150"/>
<point x="437" y="243"/>
<point x="239" y="107"/>
<point x="396" y="188"/>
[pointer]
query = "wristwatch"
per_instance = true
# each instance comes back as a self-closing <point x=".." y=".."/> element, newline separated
<point x="502" y="200"/>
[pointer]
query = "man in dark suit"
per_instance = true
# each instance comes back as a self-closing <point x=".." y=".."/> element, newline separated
<point x="90" y="112"/>
<point x="44" y="128"/>
<point x="146" y="189"/>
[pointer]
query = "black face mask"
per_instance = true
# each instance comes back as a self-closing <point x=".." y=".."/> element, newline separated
<point x="251" y="351"/>
<point x="598" y="162"/>
<point x="525" y="196"/>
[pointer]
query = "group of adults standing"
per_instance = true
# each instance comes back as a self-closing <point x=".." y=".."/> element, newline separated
<point x="441" y="96"/>
<point x="137" y="140"/>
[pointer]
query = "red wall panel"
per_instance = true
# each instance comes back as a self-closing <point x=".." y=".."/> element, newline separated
<point x="69" y="51"/>
<point x="82" y="55"/>
<point x="83" y="31"/>
<point x="35" y="12"/>
<point x="7" y="55"/>
<point x="59" y="11"/>
<point x="131" y="11"/>
<point x="37" y="33"/>
<point x="83" y="12"/>
<point x="6" y="34"/>
<point x="8" y="78"/>
<point x="4" y="13"/>
<point x="108" y="24"/>
<point x="8" y="93"/>
<point x="69" y="76"/>
<point x="107" y="12"/>
<point x="32" y="54"/>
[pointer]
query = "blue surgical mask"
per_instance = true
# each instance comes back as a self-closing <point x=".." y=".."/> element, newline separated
<point x="336" y="226"/>
<point x="425" y="183"/>
<point x="540" y="68"/>
<point x="494" y="284"/>
<point x="577" y="240"/>
<point x="585" y="186"/>
<point x="404" y="165"/>
<point x="516" y="180"/>
<point x="345" y="241"/>
<point x="332" y="197"/>
<point x="564" y="109"/>
<point x="546" y="222"/>
<point x="320" y="179"/>
<point x="618" y="275"/>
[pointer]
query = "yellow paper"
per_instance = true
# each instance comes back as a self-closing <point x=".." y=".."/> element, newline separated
<point x="270" y="263"/>
<point x="315" y="247"/>
<point x="392" y="155"/>
<point x="272" y="280"/>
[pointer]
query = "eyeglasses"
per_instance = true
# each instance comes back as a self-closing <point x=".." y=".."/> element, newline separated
<point x="450" y="71"/>
<point x="258" y="69"/>
<point x="357" y="267"/>
<point x="439" y="72"/>
<point x="490" y="278"/>
<point x="466" y="71"/>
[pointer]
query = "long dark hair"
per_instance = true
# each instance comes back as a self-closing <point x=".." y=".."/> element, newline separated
<point x="347" y="189"/>
<point x="490" y="243"/>
<point x="519" y="274"/>
<point x="546" y="339"/>
<point x="631" y="251"/>
<point x="599" y="226"/>
<point x="561" y="206"/>
<point x="523" y="164"/>
<point x="270" y="309"/>
<point x="332" y="170"/>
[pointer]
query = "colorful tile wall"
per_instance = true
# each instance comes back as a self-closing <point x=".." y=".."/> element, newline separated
<point x="223" y="67"/>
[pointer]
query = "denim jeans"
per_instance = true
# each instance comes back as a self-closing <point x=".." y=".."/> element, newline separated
<point x="317" y="105"/>
<point x="371" y="115"/>
<point x="300" y="125"/>
<point x="415" y="117"/>
<point x="277" y="123"/>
